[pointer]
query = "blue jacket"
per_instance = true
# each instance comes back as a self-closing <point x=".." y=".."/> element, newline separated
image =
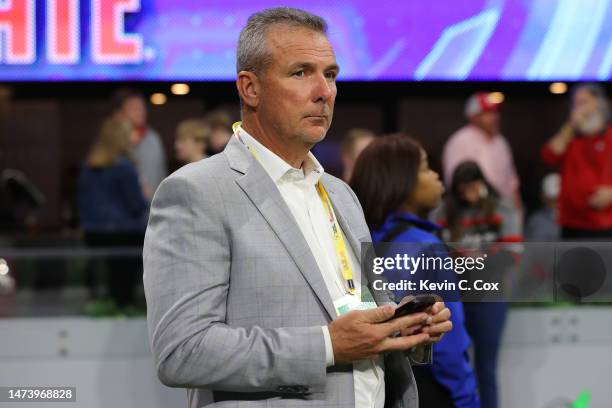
<point x="451" y="366"/>
<point x="111" y="199"/>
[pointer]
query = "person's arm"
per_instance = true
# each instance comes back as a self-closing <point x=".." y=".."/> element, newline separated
<point x="554" y="150"/>
<point x="601" y="199"/>
<point x="187" y="257"/>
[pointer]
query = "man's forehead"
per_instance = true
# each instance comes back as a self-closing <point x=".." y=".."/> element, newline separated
<point x="283" y="39"/>
<point x="584" y="94"/>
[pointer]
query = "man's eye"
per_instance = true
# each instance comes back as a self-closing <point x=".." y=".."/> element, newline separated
<point x="299" y="74"/>
<point x="331" y="75"/>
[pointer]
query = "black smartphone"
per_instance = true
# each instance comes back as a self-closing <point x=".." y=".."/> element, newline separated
<point x="420" y="303"/>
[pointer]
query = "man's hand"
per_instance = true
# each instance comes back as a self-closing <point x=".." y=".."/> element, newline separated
<point x="438" y="323"/>
<point x="559" y="143"/>
<point x="601" y="198"/>
<point x="362" y="334"/>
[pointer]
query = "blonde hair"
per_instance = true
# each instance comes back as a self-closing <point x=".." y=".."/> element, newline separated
<point x="113" y="141"/>
<point x="196" y="129"/>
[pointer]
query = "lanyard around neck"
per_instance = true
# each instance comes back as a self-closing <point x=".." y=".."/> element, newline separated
<point x="337" y="238"/>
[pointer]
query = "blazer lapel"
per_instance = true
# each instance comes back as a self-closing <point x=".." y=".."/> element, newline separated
<point x="264" y="194"/>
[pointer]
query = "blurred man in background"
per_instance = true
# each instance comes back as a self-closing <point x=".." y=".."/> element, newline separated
<point x="191" y="140"/>
<point x="148" y="150"/>
<point x="583" y="150"/>
<point x="352" y="145"/>
<point x="542" y="225"/>
<point x="481" y="142"/>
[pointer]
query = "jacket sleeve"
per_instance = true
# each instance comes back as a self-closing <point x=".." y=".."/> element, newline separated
<point x="187" y="264"/>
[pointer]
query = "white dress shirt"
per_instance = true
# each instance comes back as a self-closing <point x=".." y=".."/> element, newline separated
<point x="298" y="189"/>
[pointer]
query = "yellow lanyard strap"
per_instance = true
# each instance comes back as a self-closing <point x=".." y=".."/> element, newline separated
<point x="339" y="244"/>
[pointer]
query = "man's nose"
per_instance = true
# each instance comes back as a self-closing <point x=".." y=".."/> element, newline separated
<point x="323" y="89"/>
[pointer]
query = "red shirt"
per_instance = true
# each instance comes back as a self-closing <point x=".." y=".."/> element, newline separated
<point x="585" y="165"/>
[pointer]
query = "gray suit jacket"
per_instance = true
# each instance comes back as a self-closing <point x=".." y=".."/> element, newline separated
<point x="235" y="298"/>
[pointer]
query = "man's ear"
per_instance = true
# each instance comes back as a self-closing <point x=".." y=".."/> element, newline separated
<point x="248" y="88"/>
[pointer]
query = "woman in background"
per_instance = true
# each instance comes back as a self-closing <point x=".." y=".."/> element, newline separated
<point x="113" y="207"/>
<point x="397" y="190"/>
<point x="474" y="215"/>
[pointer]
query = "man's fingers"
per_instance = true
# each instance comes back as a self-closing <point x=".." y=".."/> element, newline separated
<point x="441" y="316"/>
<point x="440" y="328"/>
<point x="403" y="343"/>
<point x="379" y="314"/>
<point x="403" y="322"/>
<point x="437" y="307"/>
<point x="411" y="330"/>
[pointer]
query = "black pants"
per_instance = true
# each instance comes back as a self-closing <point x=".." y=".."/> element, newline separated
<point x="431" y="392"/>
<point x="124" y="272"/>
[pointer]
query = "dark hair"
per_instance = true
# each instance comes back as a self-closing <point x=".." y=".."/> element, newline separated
<point x="385" y="176"/>
<point x="466" y="172"/>
<point x="121" y="95"/>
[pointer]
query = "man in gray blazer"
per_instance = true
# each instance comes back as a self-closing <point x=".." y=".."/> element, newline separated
<point x="250" y="254"/>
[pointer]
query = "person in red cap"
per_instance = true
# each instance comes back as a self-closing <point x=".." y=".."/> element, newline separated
<point x="582" y="149"/>
<point x="481" y="141"/>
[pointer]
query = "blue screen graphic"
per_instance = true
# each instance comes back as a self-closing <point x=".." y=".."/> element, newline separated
<point x="171" y="40"/>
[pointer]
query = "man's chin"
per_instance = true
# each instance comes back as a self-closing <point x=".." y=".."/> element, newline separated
<point x="314" y="134"/>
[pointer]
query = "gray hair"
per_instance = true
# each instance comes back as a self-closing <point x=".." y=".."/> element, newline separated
<point x="252" y="54"/>
<point x="598" y="93"/>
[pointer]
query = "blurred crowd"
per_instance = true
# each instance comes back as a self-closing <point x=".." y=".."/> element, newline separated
<point x="404" y="200"/>
<point x="118" y="178"/>
<point x="476" y="201"/>
<point x="482" y="202"/>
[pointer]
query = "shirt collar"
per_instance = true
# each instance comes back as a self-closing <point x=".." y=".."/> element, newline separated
<point x="278" y="169"/>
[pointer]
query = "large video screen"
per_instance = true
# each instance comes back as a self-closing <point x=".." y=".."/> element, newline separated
<point x="416" y="40"/>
